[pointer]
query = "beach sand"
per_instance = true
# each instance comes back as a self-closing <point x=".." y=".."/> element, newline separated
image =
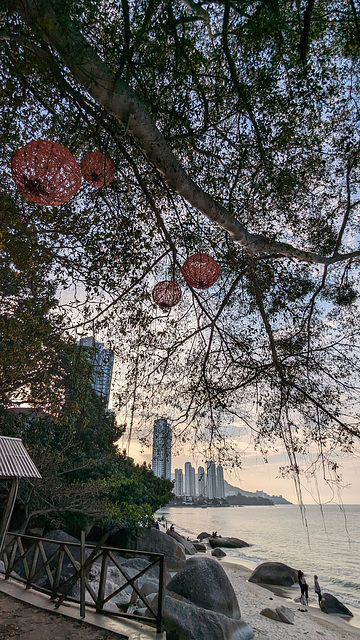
<point x="311" y="624"/>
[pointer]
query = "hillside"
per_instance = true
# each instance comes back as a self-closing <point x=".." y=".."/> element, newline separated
<point x="231" y="490"/>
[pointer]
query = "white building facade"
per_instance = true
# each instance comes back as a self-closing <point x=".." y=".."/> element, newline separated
<point x="102" y="361"/>
<point x="179" y="482"/>
<point x="161" y="455"/>
<point x="201" y="481"/>
<point x="220" y="484"/>
<point x="189" y="479"/>
<point x="211" y="480"/>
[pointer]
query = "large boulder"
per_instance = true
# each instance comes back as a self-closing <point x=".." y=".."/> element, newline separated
<point x="120" y="600"/>
<point x="204" y="582"/>
<point x="203" y="535"/>
<point x="61" y="536"/>
<point x="274" y="573"/>
<point x="228" y="543"/>
<point x="188" y="546"/>
<point x="199" y="546"/>
<point x="218" y="553"/>
<point x="159" y="542"/>
<point x="330" y="604"/>
<point x="185" y="621"/>
<point x="280" y="614"/>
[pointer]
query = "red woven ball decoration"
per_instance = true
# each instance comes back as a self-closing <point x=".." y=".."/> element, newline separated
<point x="200" y="271"/>
<point x="166" y="294"/>
<point x="45" y="172"/>
<point x="97" y="169"/>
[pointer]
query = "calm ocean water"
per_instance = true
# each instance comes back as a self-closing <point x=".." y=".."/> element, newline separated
<point x="328" y="546"/>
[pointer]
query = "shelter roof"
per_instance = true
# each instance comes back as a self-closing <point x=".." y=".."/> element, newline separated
<point x="15" y="462"/>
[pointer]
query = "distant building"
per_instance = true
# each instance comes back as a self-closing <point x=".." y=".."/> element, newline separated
<point x="201" y="481"/>
<point x="220" y="484"/>
<point x="211" y="480"/>
<point x="161" y="456"/>
<point x="102" y="361"/>
<point x="179" y="482"/>
<point x="189" y="479"/>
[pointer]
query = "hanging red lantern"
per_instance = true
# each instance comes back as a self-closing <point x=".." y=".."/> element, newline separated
<point x="200" y="271"/>
<point x="97" y="169"/>
<point x="45" y="172"/>
<point x="166" y="294"/>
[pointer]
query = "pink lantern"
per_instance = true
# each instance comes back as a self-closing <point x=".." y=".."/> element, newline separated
<point x="200" y="271"/>
<point x="45" y="172"/>
<point x="166" y="294"/>
<point x="97" y="169"/>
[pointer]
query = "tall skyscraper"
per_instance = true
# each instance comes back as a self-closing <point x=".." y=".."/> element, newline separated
<point x="220" y="485"/>
<point x="201" y="481"/>
<point x="211" y="480"/>
<point x="161" y="455"/>
<point x="189" y="479"/>
<point x="179" y="482"/>
<point x="102" y="361"/>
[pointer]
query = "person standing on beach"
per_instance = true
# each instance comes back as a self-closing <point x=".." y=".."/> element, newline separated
<point x="304" y="587"/>
<point x="317" y="588"/>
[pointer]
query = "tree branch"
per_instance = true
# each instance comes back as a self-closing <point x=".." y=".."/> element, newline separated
<point x="48" y="20"/>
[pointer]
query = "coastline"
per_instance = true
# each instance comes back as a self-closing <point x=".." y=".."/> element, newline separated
<point x="314" y="623"/>
<point x="253" y="598"/>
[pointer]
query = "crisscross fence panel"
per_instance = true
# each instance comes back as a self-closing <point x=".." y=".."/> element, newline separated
<point x="64" y="571"/>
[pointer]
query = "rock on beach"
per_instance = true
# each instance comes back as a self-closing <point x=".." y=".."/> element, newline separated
<point x="228" y="543"/>
<point x="204" y="582"/>
<point x="276" y="573"/>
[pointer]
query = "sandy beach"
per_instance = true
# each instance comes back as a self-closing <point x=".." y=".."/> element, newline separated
<point x="313" y="623"/>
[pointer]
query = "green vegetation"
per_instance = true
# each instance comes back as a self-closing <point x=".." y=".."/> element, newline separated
<point x="85" y="481"/>
<point x="234" y="130"/>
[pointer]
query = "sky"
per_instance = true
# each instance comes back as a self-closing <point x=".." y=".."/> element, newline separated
<point x="255" y="474"/>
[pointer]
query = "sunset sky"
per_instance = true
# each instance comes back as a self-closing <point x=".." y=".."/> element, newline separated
<point x="255" y="474"/>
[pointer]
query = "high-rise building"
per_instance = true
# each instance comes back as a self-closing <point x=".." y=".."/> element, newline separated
<point x="211" y="480"/>
<point x="189" y="479"/>
<point x="179" y="482"/>
<point x="161" y="455"/>
<point x="102" y="361"/>
<point x="201" y="481"/>
<point x="220" y="484"/>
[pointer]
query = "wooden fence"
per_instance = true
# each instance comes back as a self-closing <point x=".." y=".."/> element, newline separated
<point x="27" y="555"/>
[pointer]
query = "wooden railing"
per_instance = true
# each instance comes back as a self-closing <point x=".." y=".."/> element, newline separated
<point x="27" y="555"/>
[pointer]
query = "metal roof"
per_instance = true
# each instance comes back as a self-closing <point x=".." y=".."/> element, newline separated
<point x="15" y="461"/>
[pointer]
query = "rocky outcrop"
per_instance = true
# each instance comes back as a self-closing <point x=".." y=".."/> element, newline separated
<point x="120" y="600"/>
<point x="159" y="542"/>
<point x="60" y="537"/>
<point x="188" y="546"/>
<point x="203" y="535"/>
<point x="199" y="546"/>
<point x="274" y="573"/>
<point x="228" y="543"/>
<point x="330" y="604"/>
<point x="218" y="553"/>
<point x="204" y="582"/>
<point x="185" y="621"/>
<point x="280" y="614"/>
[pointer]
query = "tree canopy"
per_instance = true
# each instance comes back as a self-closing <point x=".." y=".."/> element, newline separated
<point x="234" y="130"/>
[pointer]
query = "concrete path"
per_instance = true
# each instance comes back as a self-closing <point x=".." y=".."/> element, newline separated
<point x="123" y="628"/>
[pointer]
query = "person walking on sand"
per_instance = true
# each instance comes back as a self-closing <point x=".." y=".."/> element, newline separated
<point x="317" y="588"/>
<point x="304" y="587"/>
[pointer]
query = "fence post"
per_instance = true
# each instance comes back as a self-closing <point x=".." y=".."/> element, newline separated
<point x="33" y="567"/>
<point x="102" y="585"/>
<point x="82" y="575"/>
<point x="162" y="572"/>
<point x="58" y="572"/>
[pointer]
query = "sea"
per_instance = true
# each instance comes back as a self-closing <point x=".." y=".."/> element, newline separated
<point x="318" y="540"/>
